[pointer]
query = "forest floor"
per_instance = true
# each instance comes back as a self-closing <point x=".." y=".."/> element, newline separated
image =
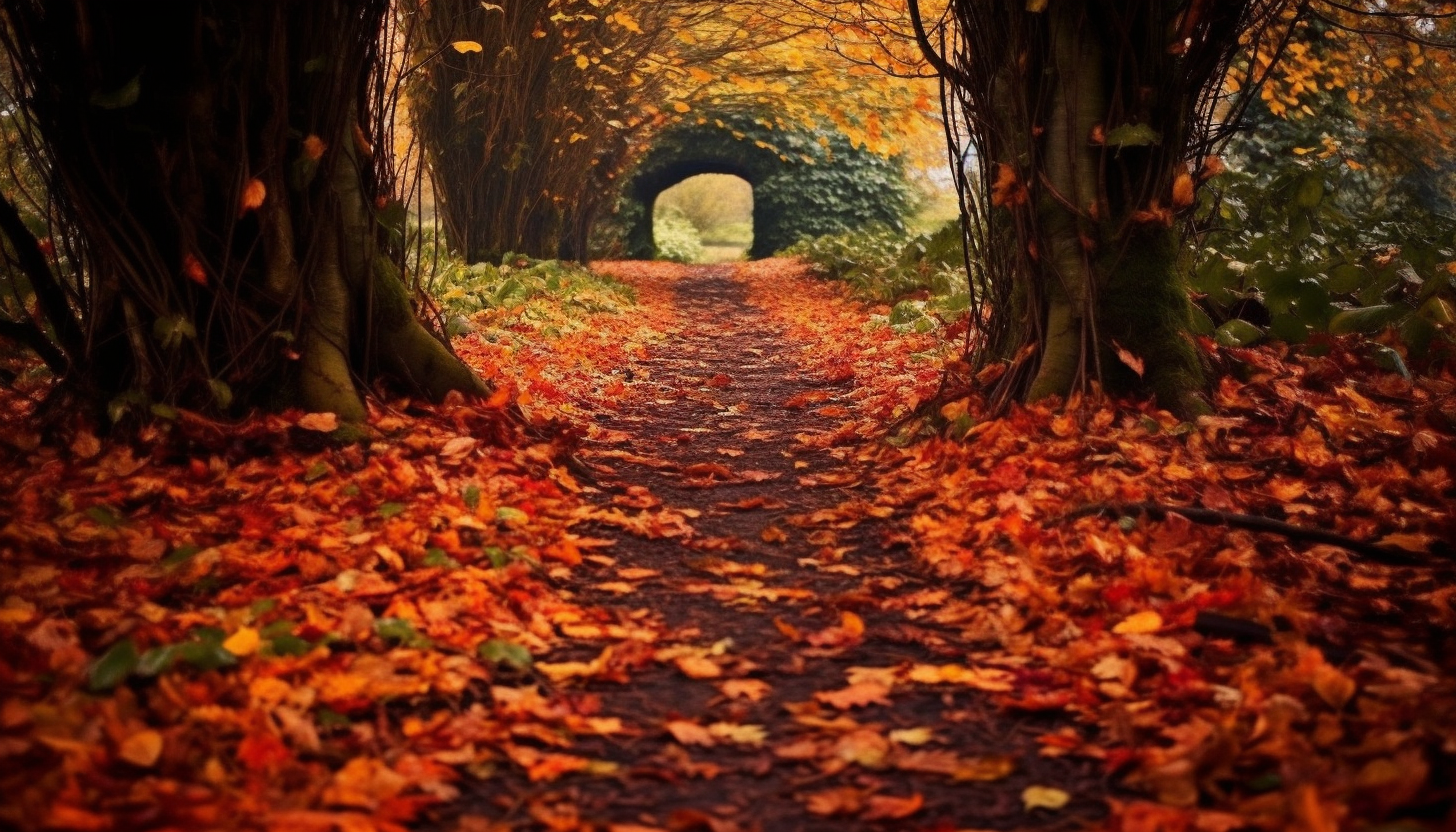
<point x="678" y="575"/>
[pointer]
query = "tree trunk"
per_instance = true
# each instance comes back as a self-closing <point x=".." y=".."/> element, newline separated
<point x="216" y="172"/>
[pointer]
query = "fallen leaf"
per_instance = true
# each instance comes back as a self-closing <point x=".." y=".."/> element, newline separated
<point x="887" y="807"/>
<point x="244" y="642"/>
<point x="856" y="696"/>
<point x="698" y="667"/>
<point x="141" y="749"/>
<point x="1139" y="623"/>
<point x="751" y="689"/>
<point x="741" y="734"/>
<point x="321" y="422"/>
<point x="1044" y="797"/>
<point x="843" y="800"/>
<point x="690" y="733"/>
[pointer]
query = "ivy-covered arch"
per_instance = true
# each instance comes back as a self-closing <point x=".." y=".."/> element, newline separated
<point x="805" y="182"/>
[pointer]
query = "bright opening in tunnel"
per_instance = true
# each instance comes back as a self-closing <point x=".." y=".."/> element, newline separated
<point x="706" y="218"/>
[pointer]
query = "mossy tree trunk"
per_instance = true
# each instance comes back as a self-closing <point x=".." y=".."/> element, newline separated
<point x="215" y="161"/>
<point x="1092" y="120"/>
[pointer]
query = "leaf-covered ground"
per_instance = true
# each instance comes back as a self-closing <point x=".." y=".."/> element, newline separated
<point x="673" y="577"/>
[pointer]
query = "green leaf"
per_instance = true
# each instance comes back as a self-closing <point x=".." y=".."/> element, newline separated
<point x="289" y="645"/>
<point x="471" y="497"/>
<point x="105" y="516"/>
<point x="1310" y="191"/>
<point x="510" y="514"/>
<point x="315" y="471"/>
<point x="400" y="630"/>
<point x="262" y="606"/>
<point x="172" y="330"/>
<point x="389" y="510"/>
<point x="180" y="554"/>
<point x="1132" y="135"/>
<point x="1347" y="278"/>
<point x="157" y="661"/>
<point x="1238" y="333"/>
<point x="499" y="651"/>
<point x="113" y="667"/>
<point x="205" y="655"/>
<point x="436" y="557"/>
<point x="123" y="96"/>
<point x="1389" y="359"/>
<point x="1368" y="319"/>
<point x="222" y="394"/>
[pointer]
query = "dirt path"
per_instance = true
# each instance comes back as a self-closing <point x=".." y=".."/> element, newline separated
<point x="789" y="693"/>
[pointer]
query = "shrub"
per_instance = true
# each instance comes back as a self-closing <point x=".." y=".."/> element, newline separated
<point x="676" y="237"/>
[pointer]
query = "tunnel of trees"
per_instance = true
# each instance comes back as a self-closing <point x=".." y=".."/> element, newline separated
<point x="805" y="183"/>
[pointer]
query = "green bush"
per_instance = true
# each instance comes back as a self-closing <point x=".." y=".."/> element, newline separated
<point x="535" y="289"/>
<point x="1320" y="227"/>
<point x="923" y="278"/>
<point x="676" y="237"/>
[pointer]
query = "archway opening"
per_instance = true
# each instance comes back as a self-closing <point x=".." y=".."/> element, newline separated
<point x="707" y="218"/>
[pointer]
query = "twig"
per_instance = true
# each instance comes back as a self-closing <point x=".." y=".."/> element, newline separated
<point x="1252" y="522"/>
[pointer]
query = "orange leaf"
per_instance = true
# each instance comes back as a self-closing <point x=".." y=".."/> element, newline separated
<point x="262" y="750"/>
<point x="1183" y="190"/>
<point x="192" y="269"/>
<point x="254" y="192"/>
<point x="887" y="807"/>
<point x="843" y="800"/>
<point x="856" y="695"/>
<point x="142" y="748"/>
<point x="690" y="733"/>
<point x="313" y="148"/>
<point x="1147" y="621"/>
<point x="698" y="667"/>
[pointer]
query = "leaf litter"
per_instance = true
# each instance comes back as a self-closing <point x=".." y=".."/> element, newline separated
<point x="671" y="577"/>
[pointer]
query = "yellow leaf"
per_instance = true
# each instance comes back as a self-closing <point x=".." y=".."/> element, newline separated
<point x="912" y="736"/>
<point x="1044" y="797"/>
<point x="142" y="748"/>
<point x="1147" y="621"/>
<point x="243" y="643"/>
<point x="464" y="46"/>
<point x="741" y="734"/>
<point x="582" y="62"/>
<point x="680" y="106"/>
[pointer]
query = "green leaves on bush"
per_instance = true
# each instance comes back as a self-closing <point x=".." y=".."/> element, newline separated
<point x="1298" y="250"/>
<point x="675" y="236"/>
<point x="922" y="277"/>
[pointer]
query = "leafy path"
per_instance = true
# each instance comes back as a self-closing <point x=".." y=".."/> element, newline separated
<point x="670" y="577"/>
<point x="787" y="623"/>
